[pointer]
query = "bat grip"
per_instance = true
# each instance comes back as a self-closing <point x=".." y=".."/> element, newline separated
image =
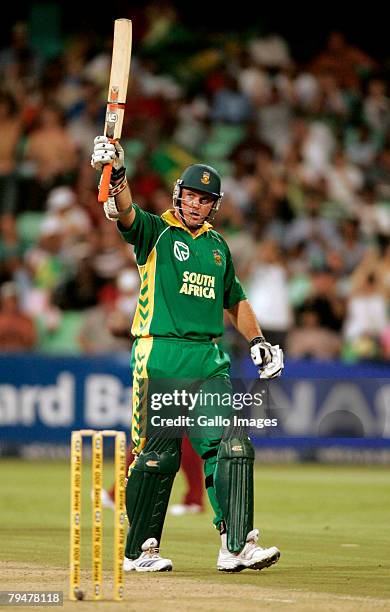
<point x="105" y="183"/>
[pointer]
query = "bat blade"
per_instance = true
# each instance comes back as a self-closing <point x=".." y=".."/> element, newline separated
<point x="117" y="92"/>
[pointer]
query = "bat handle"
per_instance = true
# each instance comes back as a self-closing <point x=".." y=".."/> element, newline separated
<point x="105" y="183"/>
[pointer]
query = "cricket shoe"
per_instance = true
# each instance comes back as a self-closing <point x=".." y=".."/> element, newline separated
<point x="182" y="509"/>
<point x="252" y="556"/>
<point x="149" y="560"/>
<point x="107" y="501"/>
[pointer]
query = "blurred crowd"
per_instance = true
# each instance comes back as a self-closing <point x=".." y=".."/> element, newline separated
<point x="304" y="152"/>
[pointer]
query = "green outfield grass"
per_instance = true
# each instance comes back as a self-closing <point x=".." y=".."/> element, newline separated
<point x="330" y="522"/>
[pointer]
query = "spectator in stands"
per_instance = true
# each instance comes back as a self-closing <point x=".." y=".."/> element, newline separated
<point x="379" y="174"/>
<point x="11" y="247"/>
<point x="345" y="61"/>
<point x="274" y="120"/>
<point x="229" y="104"/>
<point x="330" y="101"/>
<point x="19" y="63"/>
<point x="252" y="80"/>
<point x="87" y="118"/>
<point x="376" y="108"/>
<point x="373" y="214"/>
<point x="367" y="315"/>
<point x="361" y="146"/>
<point x="75" y="223"/>
<point x="110" y="254"/>
<point x="267" y="292"/>
<point x="344" y="180"/>
<point x="95" y="335"/>
<point x="310" y="340"/>
<point x="352" y="248"/>
<point x="17" y="330"/>
<point x="46" y="260"/>
<point x="10" y="129"/>
<point x="317" y="233"/>
<point x="106" y="328"/>
<point x="325" y="300"/>
<point x="270" y="51"/>
<point x="79" y="290"/>
<point x="52" y="153"/>
<point x="382" y="267"/>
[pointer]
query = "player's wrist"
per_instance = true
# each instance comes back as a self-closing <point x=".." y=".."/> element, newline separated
<point x="118" y="181"/>
<point x="117" y="175"/>
<point x="114" y="191"/>
<point x="113" y="213"/>
<point x="125" y="211"/>
<point x="257" y="340"/>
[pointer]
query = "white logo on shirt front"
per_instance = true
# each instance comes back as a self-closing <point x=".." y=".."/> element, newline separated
<point x="181" y="251"/>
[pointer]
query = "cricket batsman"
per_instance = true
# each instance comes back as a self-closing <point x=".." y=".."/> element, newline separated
<point x="187" y="281"/>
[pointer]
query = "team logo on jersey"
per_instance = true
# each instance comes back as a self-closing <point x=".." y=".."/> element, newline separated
<point x="205" y="178"/>
<point x="217" y="258"/>
<point x="181" y="251"/>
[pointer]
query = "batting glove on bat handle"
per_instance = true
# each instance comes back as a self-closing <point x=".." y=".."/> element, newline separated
<point x="106" y="151"/>
<point x="108" y="156"/>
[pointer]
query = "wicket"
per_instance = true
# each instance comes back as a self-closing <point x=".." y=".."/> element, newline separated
<point x="97" y="516"/>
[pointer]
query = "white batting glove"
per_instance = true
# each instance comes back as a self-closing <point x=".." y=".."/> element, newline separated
<point x="268" y="358"/>
<point x="110" y="210"/>
<point x="260" y="351"/>
<point x="106" y="152"/>
<point x="275" y="367"/>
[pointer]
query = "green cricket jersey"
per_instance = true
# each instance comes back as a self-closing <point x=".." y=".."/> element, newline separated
<point x="186" y="279"/>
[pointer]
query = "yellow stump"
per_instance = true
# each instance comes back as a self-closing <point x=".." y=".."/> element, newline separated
<point x="97" y="515"/>
<point x="119" y="526"/>
<point x="75" y="513"/>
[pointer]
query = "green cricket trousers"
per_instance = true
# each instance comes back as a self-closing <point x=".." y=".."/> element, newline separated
<point x="163" y="365"/>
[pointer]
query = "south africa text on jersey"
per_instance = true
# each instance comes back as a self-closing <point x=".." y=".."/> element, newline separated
<point x="200" y="285"/>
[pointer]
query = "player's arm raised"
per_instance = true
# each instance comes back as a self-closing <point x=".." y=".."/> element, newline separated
<point x="119" y="206"/>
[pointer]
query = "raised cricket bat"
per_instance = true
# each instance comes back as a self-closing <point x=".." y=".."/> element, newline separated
<point x="117" y="93"/>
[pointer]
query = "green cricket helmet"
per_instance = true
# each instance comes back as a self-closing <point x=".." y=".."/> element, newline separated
<point x="203" y="178"/>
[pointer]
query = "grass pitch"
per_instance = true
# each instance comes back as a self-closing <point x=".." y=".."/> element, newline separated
<point x="330" y="522"/>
